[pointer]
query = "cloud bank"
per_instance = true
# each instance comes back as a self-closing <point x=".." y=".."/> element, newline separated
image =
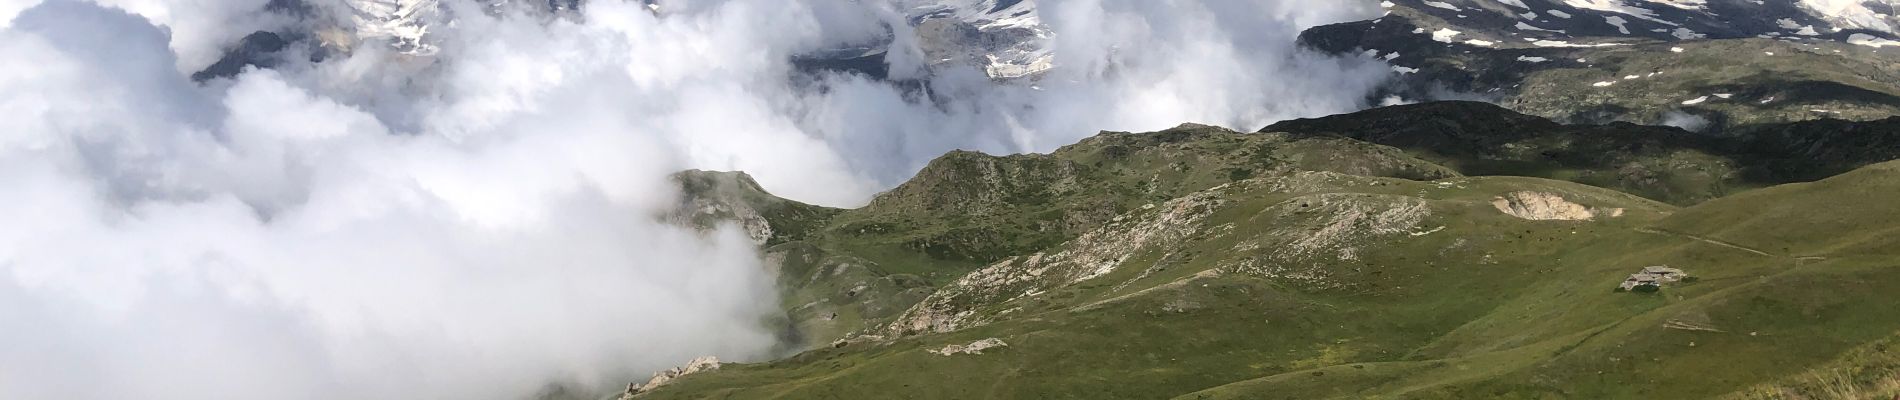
<point x="481" y="223"/>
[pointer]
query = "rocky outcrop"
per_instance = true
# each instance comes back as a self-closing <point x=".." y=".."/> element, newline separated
<point x="1312" y="234"/>
<point x="748" y="219"/>
<point x="1342" y="218"/>
<point x="1092" y="255"/>
<point x="975" y="347"/>
<point x="702" y="364"/>
<point x="708" y="199"/>
<point x="1545" y="206"/>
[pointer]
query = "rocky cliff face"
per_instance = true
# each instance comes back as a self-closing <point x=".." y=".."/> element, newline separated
<point x="1003" y="38"/>
<point x="710" y="198"/>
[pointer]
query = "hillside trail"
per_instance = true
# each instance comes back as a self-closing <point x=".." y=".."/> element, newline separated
<point x="1654" y="231"/>
<point x="1210" y="273"/>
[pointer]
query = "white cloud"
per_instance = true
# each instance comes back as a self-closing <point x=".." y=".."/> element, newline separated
<point x="11" y="8"/>
<point x="200" y="29"/>
<point x="278" y="244"/>
<point x="480" y="224"/>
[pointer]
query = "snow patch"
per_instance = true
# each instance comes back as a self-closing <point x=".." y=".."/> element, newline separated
<point x="1445" y="35"/>
<point x="1622" y="25"/>
<point x="1863" y="39"/>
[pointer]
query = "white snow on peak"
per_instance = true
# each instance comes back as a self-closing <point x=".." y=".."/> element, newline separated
<point x="1849" y="14"/>
<point x="404" y="22"/>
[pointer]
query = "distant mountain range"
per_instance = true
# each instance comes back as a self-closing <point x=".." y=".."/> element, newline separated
<point x="1004" y="39"/>
<point x="1558" y="23"/>
<point x="1703" y="65"/>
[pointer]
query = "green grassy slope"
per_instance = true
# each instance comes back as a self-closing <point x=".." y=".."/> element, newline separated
<point x="1329" y="285"/>
<point x="1194" y="314"/>
<point x="1852" y="214"/>
<point x="1758" y="313"/>
<point x="968" y="209"/>
<point x="1868" y="372"/>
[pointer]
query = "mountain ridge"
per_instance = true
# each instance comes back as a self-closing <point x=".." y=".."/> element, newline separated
<point x="1305" y="279"/>
<point x="1664" y="163"/>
